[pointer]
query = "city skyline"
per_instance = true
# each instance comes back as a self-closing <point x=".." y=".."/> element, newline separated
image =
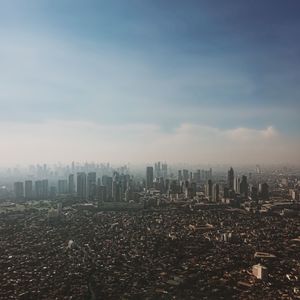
<point x="195" y="82"/>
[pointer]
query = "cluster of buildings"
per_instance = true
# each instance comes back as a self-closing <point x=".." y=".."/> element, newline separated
<point x="86" y="186"/>
<point x="190" y="185"/>
<point x="201" y="185"/>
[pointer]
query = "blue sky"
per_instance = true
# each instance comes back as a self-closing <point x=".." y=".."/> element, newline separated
<point x="152" y="67"/>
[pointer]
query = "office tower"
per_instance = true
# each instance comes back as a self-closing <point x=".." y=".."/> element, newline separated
<point x="164" y="168"/>
<point x="28" y="189"/>
<point x="124" y="181"/>
<point x="129" y="194"/>
<point x="122" y="188"/>
<point x="116" y="191"/>
<point x="192" y="190"/>
<point x="19" y="190"/>
<point x="157" y="169"/>
<point x="209" y="189"/>
<point x="226" y="192"/>
<point x="244" y="187"/>
<point x="264" y="191"/>
<point x="185" y="174"/>
<point x="107" y="182"/>
<point x="81" y="185"/>
<point x="181" y="186"/>
<point x="71" y="183"/>
<point x="62" y="186"/>
<point x="149" y="177"/>
<point x="237" y="183"/>
<point x="198" y="176"/>
<point x="101" y="193"/>
<point x="215" y="192"/>
<point x="194" y="177"/>
<point x="38" y="189"/>
<point x="203" y="175"/>
<point x="254" y="193"/>
<point x="179" y="175"/>
<point x="210" y="173"/>
<point x="91" y="185"/>
<point x="174" y="187"/>
<point x="45" y="188"/>
<point x="230" y="179"/>
<point x="161" y="185"/>
<point x="167" y="185"/>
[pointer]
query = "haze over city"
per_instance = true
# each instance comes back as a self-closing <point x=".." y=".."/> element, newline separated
<point x="140" y="81"/>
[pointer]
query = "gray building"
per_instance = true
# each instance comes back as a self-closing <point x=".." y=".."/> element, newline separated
<point x="149" y="177"/>
<point x="28" y="189"/>
<point x="81" y="186"/>
<point x="19" y="190"/>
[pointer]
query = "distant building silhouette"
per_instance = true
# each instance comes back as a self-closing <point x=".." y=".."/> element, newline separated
<point x="19" y="190"/>
<point x="71" y="184"/>
<point x="28" y="189"/>
<point x="230" y="179"/>
<point x="91" y="185"/>
<point x="149" y="177"/>
<point x="81" y="185"/>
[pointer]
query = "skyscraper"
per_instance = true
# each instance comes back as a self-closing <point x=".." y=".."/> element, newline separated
<point x="164" y="169"/>
<point x="107" y="182"/>
<point x="45" y="190"/>
<point x="209" y="190"/>
<point x="38" y="189"/>
<point x="179" y="175"/>
<point x="237" y="183"/>
<point x="91" y="185"/>
<point x="230" y="179"/>
<point x="215" y="192"/>
<point x="101" y="193"/>
<point x="157" y="169"/>
<point x="116" y="187"/>
<point x="71" y="184"/>
<point x="264" y="191"/>
<point x="198" y="176"/>
<point x="149" y="177"/>
<point x="19" y="190"/>
<point x="129" y="194"/>
<point x="81" y="185"/>
<point x="185" y="174"/>
<point x="244" y="187"/>
<point x="28" y="189"/>
<point x="62" y="186"/>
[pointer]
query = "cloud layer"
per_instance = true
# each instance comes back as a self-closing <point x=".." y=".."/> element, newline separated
<point x="55" y="141"/>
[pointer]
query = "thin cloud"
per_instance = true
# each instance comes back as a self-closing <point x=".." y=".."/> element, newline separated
<point x="64" y="141"/>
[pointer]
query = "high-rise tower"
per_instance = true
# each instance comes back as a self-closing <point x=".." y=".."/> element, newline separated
<point x="230" y="179"/>
<point x="81" y="185"/>
<point x="149" y="177"/>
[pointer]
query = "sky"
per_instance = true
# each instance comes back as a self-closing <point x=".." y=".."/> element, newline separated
<point x="138" y="81"/>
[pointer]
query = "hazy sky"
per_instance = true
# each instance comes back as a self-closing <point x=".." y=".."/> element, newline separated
<point x="187" y="81"/>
